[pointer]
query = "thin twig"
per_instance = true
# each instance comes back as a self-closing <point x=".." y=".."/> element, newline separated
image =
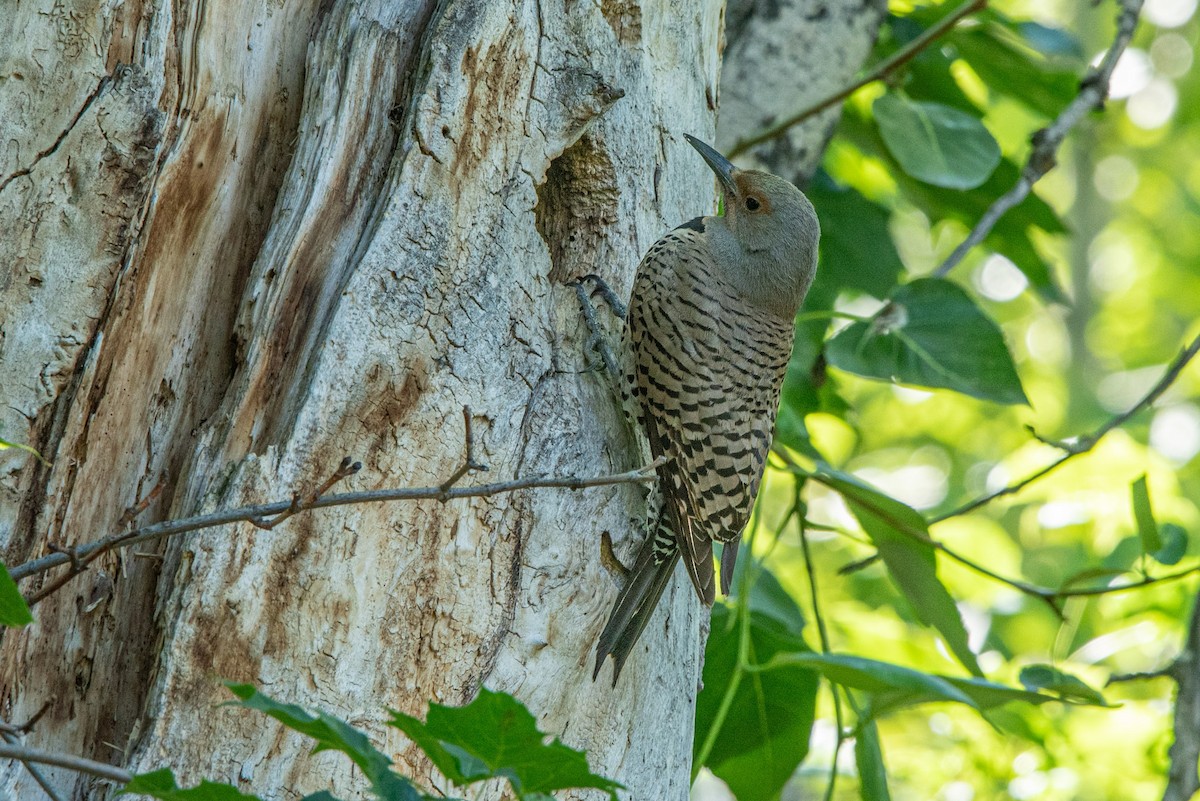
<point x="1087" y="442"/>
<point x="299" y="503"/>
<point x="880" y="71"/>
<point x="80" y="562"/>
<point x="823" y="635"/>
<point x="10" y="732"/>
<point x="68" y="761"/>
<point x="242" y="514"/>
<point x="1093" y="90"/>
<point x="131" y="513"/>
<point x="470" y="463"/>
<point x="1049" y="595"/>
<point x="1145" y="675"/>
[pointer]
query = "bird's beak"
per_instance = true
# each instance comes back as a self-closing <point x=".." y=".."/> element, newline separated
<point x="722" y="166"/>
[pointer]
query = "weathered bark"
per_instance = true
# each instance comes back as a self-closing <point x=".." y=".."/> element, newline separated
<point x="245" y="239"/>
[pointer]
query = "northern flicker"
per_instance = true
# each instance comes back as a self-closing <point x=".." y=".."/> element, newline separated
<point x="707" y="339"/>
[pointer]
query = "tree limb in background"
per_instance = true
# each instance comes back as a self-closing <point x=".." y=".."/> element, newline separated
<point x="1093" y="90"/>
<point x="1182" y="779"/>
<point x="880" y="71"/>
<point x="1083" y="445"/>
<point x="1089" y="441"/>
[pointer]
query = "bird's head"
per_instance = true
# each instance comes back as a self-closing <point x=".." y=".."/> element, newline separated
<point x="775" y="228"/>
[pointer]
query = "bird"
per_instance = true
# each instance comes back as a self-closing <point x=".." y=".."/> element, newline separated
<point x="706" y="342"/>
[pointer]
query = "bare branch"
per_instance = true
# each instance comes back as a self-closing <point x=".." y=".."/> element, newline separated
<point x="469" y="462"/>
<point x="348" y="467"/>
<point x="877" y="73"/>
<point x="10" y="734"/>
<point x="1052" y="597"/>
<point x="249" y="513"/>
<point x="1093" y="90"/>
<point x="68" y="761"/>
<point x="1086" y="443"/>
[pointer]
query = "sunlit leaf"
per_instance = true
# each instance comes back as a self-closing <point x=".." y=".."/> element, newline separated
<point x="1144" y="515"/>
<point x="1010" y="236"/>
<point x="1006" y="67"/>
<point x="13" y="609"/>
<point x="765" y="735"/>
<point x="935" y="143"/>
<point x="931" y="334"/>
<point x="495" y="735"/>
<point x="901" y="537"/>
<point x="873" y="676"/>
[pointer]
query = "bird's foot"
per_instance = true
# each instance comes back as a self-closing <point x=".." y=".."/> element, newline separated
<point x="600" y="287"/>
<point x="596" y="340"/>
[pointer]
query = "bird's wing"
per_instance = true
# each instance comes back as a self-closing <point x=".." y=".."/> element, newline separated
<point x="706" y="370"/>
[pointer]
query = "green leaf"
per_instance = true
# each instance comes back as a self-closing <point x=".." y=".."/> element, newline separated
<point x="901" y="537"/>
<point x="1144" y="515"/>
<point x="1175" y="543"/>
<point x="333" y="734"/>
<point x="935" y="143"/>
<point x="766" y="732"/>
<point x="984" y="695"/>
<point x="927" y="76"/>
<point x="933" y="335"/>
<point x="868" y="757"/>
<point x="1051" y="41"/>
<point x="4" y="444"/>
<point x="13" y="609"/>
<point x="804" y="386"/>
<point x="1067" y="687"/>
<point x="161" y="784"/>
<point x="880" y="678"/>
<point x="495" y="735"/>
<point x="893" y="687"/>
<point x="1011" y="67"/>
<point x="1010" y="236"/>
<point x="857" y="251"/>
<point x="767" y="596"/>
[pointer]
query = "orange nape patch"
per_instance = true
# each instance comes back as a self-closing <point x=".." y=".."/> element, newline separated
<point x="747" y="187"/>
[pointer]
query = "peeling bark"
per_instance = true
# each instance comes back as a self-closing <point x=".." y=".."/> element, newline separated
<point x="247" y="239"/>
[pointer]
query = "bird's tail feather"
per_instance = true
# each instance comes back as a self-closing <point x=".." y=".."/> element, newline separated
<point x="635" y="605"/>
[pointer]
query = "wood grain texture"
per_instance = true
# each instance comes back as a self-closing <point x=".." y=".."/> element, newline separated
<point x="243" y="240"/>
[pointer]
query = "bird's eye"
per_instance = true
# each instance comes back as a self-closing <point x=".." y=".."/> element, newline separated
<point x="752" y="203"/>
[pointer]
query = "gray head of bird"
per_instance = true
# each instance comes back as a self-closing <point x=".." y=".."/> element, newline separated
<point x="767" y="240"/>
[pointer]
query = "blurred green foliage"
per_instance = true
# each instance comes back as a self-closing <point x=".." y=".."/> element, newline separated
<point x="1094" y="284"/>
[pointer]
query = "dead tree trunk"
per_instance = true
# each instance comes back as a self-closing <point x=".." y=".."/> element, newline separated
<point x="244" y="240"/>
